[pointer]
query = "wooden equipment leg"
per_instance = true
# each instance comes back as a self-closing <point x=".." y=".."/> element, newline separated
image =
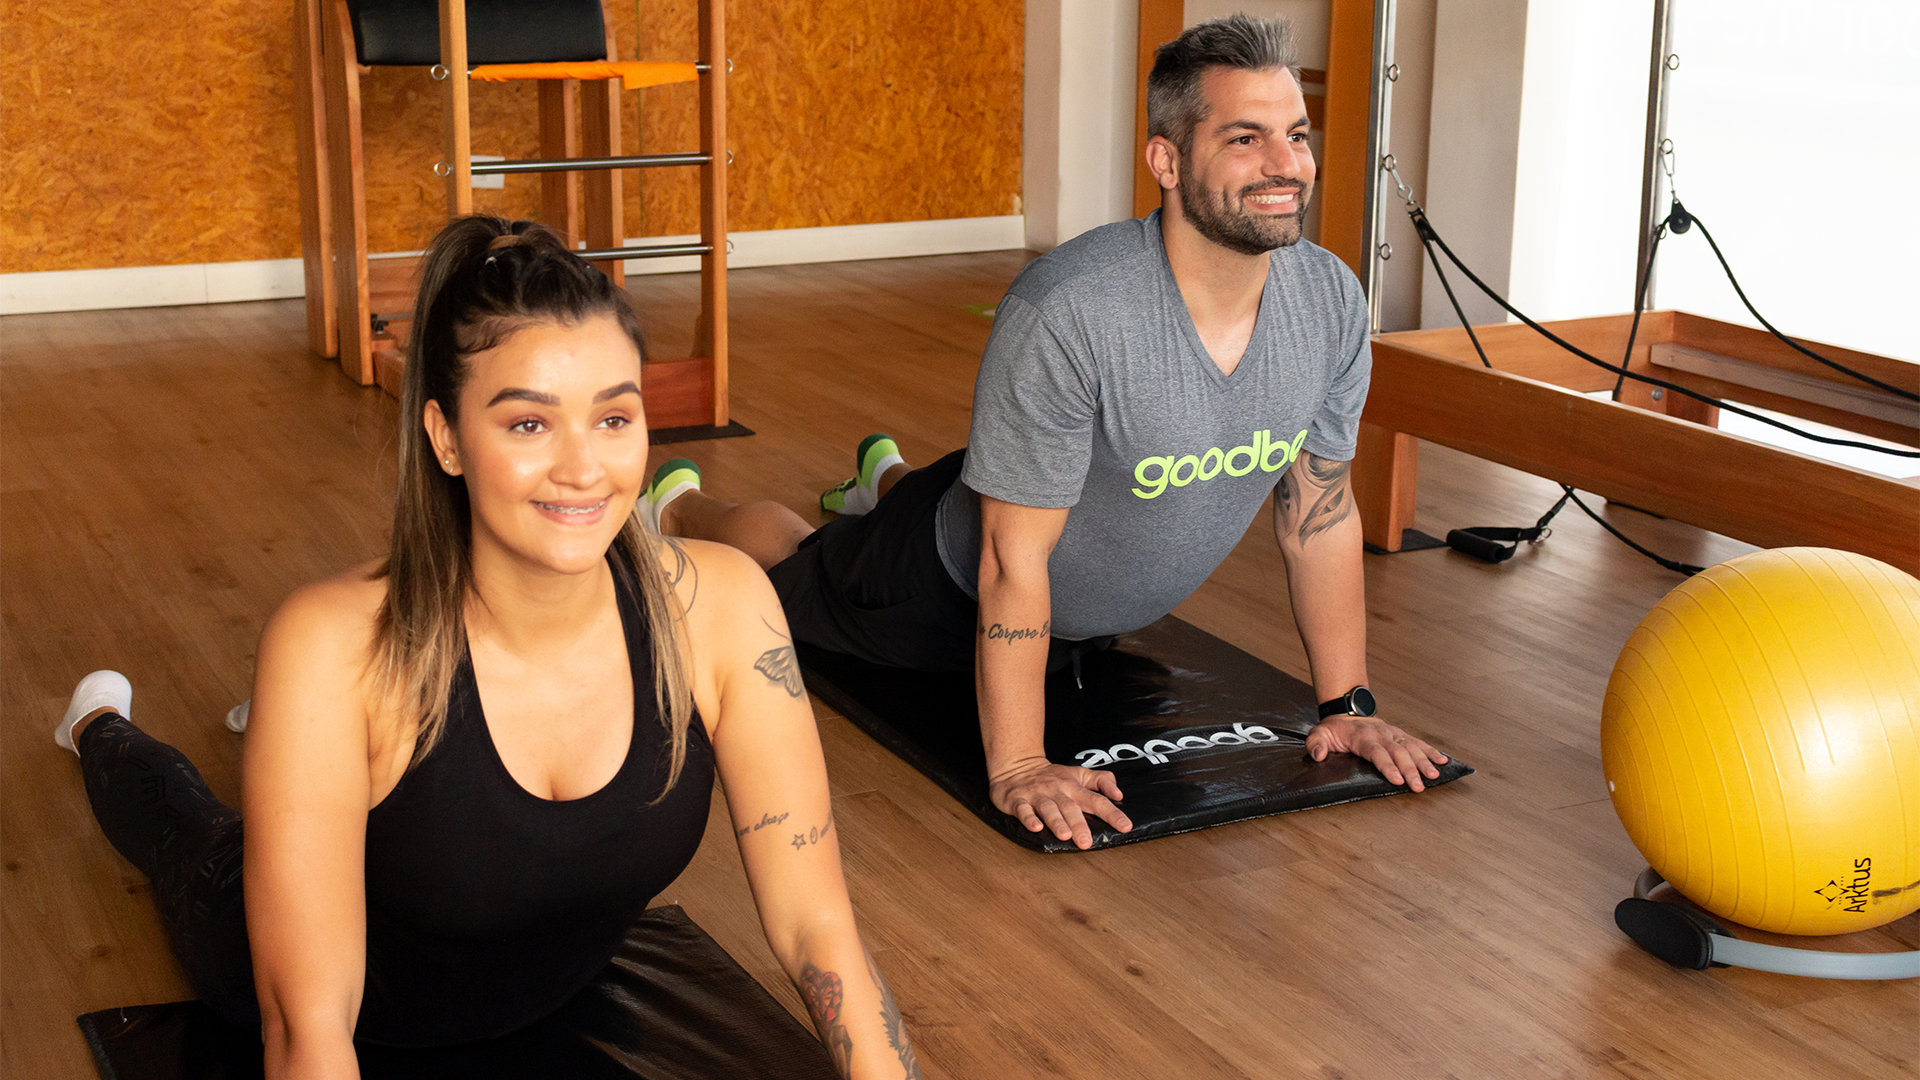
<point x="1386" y="470"/>
<point x="1342" y="190"/>
<point x="600" y="137"/>
<point x="458" y="144"/>
<point x="348" y="192"/>
<point x="310" y="150"/>
<point x="559" y="138"/>
<point x="710" y="333"/>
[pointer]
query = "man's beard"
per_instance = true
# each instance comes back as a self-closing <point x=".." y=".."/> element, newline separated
<point x="1232" y="227"/>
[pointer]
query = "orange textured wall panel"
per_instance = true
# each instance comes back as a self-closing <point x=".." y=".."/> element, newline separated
<point x="845" y="112"/>
<point x="141" y="133"/>
<point x="146" y="134"/>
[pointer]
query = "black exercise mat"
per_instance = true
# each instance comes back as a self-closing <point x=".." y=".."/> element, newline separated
<point x="671" y="1006"/>
<point x="1197" y="732"/>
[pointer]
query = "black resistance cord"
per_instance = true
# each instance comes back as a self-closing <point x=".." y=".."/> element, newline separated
<point x="1499" y="544"/>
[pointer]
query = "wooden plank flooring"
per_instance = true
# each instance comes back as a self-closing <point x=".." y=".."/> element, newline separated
<point x="166" y="476"/>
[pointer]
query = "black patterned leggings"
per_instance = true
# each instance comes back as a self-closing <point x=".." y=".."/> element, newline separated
<point x="155" y="808"/>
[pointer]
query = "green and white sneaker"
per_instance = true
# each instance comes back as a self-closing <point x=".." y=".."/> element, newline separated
<point x="670" y="481"/>
<point x="859" y="493"/>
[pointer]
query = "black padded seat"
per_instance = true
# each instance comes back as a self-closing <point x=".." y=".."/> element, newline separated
<point x="671" y="1006"/>
<point x="407" y="32"/>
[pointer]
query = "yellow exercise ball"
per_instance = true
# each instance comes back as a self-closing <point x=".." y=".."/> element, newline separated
<point x="1761" y="740"/>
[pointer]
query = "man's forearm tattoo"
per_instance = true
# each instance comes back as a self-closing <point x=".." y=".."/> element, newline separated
<point x="780" y="667"/>
<point x="890" y="1018"/>
<point x="1331" y="504"/>
<point x="825" y="1000"/>
<point x="1011" y="634"/>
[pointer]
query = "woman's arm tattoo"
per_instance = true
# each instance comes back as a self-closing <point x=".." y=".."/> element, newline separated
<point x="814" y="835"/>
<point x="825" y="999"/>
<point x="890" y="1017"/>
<point x="781" y="667"/>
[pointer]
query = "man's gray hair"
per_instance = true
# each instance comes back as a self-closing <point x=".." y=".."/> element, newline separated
<point x="1175" y="105"/>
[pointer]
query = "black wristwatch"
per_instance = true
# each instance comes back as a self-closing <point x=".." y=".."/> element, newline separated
<point x="1355" y="702"/>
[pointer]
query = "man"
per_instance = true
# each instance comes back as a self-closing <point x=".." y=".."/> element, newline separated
<point x="1146" y="386"/>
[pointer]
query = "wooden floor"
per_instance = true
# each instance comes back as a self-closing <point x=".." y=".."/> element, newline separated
<point x="166" y="476"/>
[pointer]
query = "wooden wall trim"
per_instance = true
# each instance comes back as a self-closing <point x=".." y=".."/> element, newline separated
<point x="1160" y="22"/>
<point x="1342" y="184"/>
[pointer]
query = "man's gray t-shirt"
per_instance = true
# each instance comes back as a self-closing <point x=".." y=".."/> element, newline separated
<point x="1096" y="393"/>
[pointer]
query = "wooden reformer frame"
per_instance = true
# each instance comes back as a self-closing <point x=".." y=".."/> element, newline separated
<point x="357" y="306"/>
<point x="1664" y="454"/>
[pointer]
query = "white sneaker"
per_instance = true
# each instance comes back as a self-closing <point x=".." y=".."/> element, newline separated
<point x="237" y="716"/>
<point x="99" y="690"/>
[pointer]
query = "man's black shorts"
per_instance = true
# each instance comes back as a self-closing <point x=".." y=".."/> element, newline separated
<point x="874" y="585"/>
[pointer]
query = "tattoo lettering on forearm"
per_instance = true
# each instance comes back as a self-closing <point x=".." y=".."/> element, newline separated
<point x="780" y="667"/>
<point x="814" y="835"/>
<point x="765" y="821"/>
<point x="1011" y="634"/>
<point x="822" y="992"/>
<point x="896" y="1029"/>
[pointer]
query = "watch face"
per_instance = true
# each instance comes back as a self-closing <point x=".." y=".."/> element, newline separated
<point x="1361" y="699"/>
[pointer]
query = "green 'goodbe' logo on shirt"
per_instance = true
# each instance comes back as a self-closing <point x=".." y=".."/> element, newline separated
<point x="1185" y="470"/>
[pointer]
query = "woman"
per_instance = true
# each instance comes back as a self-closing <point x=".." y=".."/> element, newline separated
<point x="428" y="871"/>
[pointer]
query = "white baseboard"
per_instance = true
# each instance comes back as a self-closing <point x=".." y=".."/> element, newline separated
<point x="150" y="286"/>
<point x="275" y="279"/>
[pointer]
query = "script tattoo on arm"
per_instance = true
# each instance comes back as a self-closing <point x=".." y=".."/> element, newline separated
<point x="765" y="821"/>
<point x="890" y="1017"/>
<point x="822" y="992"/>
<point x="1011" y="634"/>
<point x="781" y="667"/>
<point x="1332" y="502"/>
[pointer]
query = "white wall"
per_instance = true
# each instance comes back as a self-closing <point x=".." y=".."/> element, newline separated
<point x="1479" y="52"/>
<point x="1795" y="132"/>
<point x="1077" y="146"/>
<point x="1583" y="122"/>
<point x="1400" y="278"/>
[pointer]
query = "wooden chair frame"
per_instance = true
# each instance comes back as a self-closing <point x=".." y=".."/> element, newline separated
<point x="357" y="305"/>
<point x="1662" y="454"/>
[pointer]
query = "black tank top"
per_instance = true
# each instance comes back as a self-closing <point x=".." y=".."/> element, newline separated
<point x="488" y="906"/>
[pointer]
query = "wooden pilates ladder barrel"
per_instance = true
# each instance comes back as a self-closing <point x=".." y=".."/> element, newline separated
<point x="353" y="302"/>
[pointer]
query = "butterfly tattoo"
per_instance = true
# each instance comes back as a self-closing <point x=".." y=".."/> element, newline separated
<point x="781" y="668"/>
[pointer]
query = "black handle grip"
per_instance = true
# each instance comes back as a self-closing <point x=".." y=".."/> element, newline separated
<point x="1466" y="542"/>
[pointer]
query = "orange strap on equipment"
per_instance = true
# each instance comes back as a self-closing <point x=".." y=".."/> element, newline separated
<point x="637" y="73"/>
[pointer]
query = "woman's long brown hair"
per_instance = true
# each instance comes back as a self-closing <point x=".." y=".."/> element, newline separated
<point x="483" y="278"/>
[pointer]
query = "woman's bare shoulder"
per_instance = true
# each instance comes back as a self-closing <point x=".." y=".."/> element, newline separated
<point x="329" y="617"/>
<point x="712" y="579"/>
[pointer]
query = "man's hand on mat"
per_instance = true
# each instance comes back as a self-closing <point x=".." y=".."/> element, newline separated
<point x="1400" y="757"/>
<point x="1058" y="797"/>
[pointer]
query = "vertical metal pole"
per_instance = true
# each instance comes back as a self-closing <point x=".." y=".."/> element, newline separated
<point x="1656" y="134"/>
<point x="1379" y="124"/>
